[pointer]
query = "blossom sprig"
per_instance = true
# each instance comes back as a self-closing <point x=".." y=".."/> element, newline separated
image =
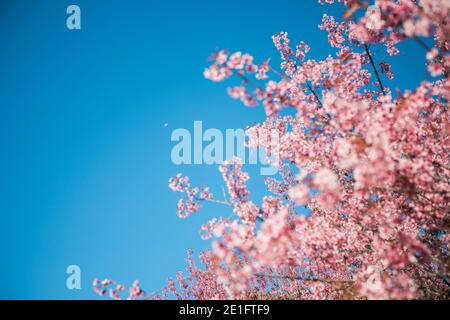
<point x="194" y="196"/>
<point x="116" y="290"/>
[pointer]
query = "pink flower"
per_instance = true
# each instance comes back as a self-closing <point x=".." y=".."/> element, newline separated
<point x="373" y="169"/>
<point x="217" y="73"/>
<point x="299" y="194"/>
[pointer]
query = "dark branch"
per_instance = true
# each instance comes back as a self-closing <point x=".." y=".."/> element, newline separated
<point x="366" y="47"/>
<point x="273" y="276"/>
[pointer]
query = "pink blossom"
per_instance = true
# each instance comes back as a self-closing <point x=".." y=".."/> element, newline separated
<point x="370" y="163"/>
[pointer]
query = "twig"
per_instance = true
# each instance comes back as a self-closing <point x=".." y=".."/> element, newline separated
<point x="422" y="43"/>
<point x="224" y="194"/>
<point x="366" y="47"/>
<point x="274" y="276"/>
<point x="214" y="201"/>
<point x="307" y="84"/>
<point x="314" y="93"/>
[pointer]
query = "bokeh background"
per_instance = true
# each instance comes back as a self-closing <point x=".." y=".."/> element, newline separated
<point x="85" y="124"/>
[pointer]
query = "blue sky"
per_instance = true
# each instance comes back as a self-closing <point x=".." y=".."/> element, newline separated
<point x="84" y="153"/>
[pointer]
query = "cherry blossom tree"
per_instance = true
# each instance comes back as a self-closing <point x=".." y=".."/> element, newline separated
<point x="369" y="163"/>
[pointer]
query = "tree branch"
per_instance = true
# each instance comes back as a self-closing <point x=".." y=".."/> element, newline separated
<point x="274" y="276"/>
<point x="366" y="47"/>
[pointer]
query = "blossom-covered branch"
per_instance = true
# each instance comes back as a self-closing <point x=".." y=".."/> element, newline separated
<point x="367" y="165"/>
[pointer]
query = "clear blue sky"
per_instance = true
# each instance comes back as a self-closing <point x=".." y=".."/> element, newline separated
<point x="84" y="153"/>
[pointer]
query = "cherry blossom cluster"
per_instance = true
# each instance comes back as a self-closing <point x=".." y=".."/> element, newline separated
<point x="360" y="207"/>
<point x="116" y="290"/>
<point x="193" y="195"/>
<point x="236" y="182"/>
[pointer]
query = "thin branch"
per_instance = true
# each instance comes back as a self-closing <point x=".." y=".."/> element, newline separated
<point x="314" y="93"/>
<point x="422" y="43"/>
<point x="366" y="47"/>
<point x="214" y="201"/>
<point x="307" y="84"/>
<point x="224" y="194"/>
<point x="274" y="276"/>
<point x="247" y="80"/>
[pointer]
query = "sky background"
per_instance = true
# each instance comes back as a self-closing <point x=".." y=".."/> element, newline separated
<point x="84" y="150"/>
